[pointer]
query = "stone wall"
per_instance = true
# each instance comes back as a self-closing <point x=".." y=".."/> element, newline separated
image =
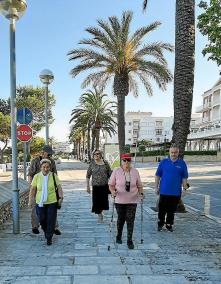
<point x="6" y="206"/>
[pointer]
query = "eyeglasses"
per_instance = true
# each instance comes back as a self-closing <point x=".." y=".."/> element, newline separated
<point x="97" y="154"/>
<point x="126" y="160"/>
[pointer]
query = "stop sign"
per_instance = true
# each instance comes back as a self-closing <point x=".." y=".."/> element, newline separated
<point x="24" y="132"/>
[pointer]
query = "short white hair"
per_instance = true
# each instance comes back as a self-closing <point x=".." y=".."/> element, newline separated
<point x="43" y="161"/>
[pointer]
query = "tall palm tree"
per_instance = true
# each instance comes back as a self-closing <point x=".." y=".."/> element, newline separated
<point x="96" y="114"/>
<point x="184" y="70"/>
<point x="114" y="53"/>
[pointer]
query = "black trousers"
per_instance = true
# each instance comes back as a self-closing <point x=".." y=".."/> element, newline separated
<point x="167" y="208"/>
<point x="47" y="216"/>
<point x="125" y="212"/>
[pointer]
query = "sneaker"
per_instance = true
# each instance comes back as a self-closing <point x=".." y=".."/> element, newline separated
<point x="118" y="240"/>
<point x="160" y="228"/>
<point x="35" y="231"/>
<point x="169" y="228"/>
<point x="57" y="232"/>
<point x="49" y="242"/>
<point x="130" y="244"/>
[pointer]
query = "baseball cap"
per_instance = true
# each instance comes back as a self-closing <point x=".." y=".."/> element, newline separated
<point x="125" y="156"/>
<point x="48" y="149"/>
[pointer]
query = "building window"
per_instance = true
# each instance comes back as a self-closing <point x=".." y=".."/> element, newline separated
<point x="129" y="123"/>
<point x="158" y="131"/>
<point x="159" y="123"/>
<point x="129" y="131"/>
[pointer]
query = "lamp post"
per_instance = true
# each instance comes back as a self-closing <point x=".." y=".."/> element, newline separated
<point x="13" y="11"/>
<point x="46" y="77"/>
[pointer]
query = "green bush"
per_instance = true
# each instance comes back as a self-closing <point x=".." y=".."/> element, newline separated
<point x="186" y="153"/>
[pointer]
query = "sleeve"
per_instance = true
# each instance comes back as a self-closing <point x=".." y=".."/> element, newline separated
<point x="31" y="170"/>
<point x="57" y="179"/>
<point x="89" y="171"/>
<point x="109" y="171"/>
<point x="185" y="171"/>
<point x="112" y="180"/>
<point x="139" y="182"/>
<point x="34" y="181"/>
<point x="53" y="167"/>
<point x="159" y="171"/>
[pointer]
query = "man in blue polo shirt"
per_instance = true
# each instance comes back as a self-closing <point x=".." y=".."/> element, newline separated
<point x="171" y="176"/>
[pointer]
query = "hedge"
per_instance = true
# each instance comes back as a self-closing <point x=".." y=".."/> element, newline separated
<point x="186" y="153"/>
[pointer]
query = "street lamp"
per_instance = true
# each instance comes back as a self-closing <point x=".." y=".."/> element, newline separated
<point x="46" y="77"/>
<point x="13" y="10"/>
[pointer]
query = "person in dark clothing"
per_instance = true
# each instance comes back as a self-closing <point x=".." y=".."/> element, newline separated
<point x="171" y="176"/>
<point x="35" y="168"/>
<point x="100" y="172"/>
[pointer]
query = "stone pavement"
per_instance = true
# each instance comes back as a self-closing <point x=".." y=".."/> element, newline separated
<point x="191" y="254"/>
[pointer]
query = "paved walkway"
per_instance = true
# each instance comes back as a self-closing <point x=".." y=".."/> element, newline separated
<point x="191" y="254"/>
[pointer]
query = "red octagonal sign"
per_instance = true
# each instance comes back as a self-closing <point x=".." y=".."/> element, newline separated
<point x="24" y="132"/>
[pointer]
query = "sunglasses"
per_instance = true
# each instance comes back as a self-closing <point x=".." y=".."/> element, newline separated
<point x="126" y="160"/>
<point x="97" y="154"/>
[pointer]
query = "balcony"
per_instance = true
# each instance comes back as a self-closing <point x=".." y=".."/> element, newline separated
<point x="206" y="133"/>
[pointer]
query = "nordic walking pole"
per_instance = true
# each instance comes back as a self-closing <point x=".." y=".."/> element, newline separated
<point x="141" y="221"/>
<point x="111" y="222"/>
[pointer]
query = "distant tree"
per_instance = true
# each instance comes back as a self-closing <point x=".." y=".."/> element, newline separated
<point x="114" y="53"/>
<point x="94" y="113"/>
<point x="209" y="24"/>
<point x="34" y="99"/>
<point x="4" y="133"/>
<point x="5" y="106"/>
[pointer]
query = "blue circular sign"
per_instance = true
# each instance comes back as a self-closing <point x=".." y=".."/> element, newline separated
<point x="24" y="115"/>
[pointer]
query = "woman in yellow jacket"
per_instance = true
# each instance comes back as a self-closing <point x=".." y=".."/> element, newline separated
<point x="43" y="192"/>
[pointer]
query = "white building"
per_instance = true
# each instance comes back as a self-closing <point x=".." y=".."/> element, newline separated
<point x="142" y="125"/>
<point x="207" y="134"/>
<point x="64" y="147"/>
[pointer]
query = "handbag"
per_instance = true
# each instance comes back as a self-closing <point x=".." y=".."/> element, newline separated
<point x="56" y="191"/>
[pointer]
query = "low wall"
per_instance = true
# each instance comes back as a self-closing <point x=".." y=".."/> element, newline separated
<point x="6" y="198"/>
<point x="187" y="158"/>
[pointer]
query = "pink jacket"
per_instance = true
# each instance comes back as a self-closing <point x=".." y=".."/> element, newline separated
<point x="117" y="180"/>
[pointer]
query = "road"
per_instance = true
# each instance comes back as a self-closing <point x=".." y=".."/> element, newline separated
<point x="204" y="178"/>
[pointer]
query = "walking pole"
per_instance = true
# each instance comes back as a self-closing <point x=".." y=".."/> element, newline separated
<point x="111" y="222"/>
<point x="141" y="221"/>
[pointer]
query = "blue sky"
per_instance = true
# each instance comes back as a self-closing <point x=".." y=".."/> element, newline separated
<point x="48" y="31"/>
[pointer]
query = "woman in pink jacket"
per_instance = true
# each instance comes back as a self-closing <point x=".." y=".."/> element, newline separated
<point x="126" y="187"/>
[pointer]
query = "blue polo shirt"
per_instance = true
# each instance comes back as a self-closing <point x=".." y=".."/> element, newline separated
<point x="171" y="175"/>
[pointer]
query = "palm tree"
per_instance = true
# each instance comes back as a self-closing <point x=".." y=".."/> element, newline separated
<point x="95" y="114"/>
<point x="112" y="53"/>
<point x="184" y="70"/>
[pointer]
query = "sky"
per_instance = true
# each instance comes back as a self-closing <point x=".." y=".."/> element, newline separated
<point x="49" y="29"/>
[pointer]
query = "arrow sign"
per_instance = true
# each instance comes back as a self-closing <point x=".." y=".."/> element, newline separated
<point x="24" y="115"/>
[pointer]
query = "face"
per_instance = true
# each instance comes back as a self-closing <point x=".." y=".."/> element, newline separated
<point x="45" y="168"/>
<point x="126" y="163"/>
<point x="97" y="155"/>
<point x="44" y="155"/>
<point x="174" y="153"/>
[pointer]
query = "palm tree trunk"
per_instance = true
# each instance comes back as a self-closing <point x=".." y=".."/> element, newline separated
<point x="97" y="138"/>
<point x="184" y="71"/>
<point x="93" y="140"/>
<point x="183" y="74"/>
<point x="121" y="90"/>
<point x="89" y="142"/>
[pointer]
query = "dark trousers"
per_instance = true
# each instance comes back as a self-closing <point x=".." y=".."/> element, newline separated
<point x="47" y="216"/>
<point x="167" y="208"/>
<point x="125" y="212"/>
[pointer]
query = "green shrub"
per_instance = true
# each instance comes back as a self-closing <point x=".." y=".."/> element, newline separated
<point x="186" y="153"/>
